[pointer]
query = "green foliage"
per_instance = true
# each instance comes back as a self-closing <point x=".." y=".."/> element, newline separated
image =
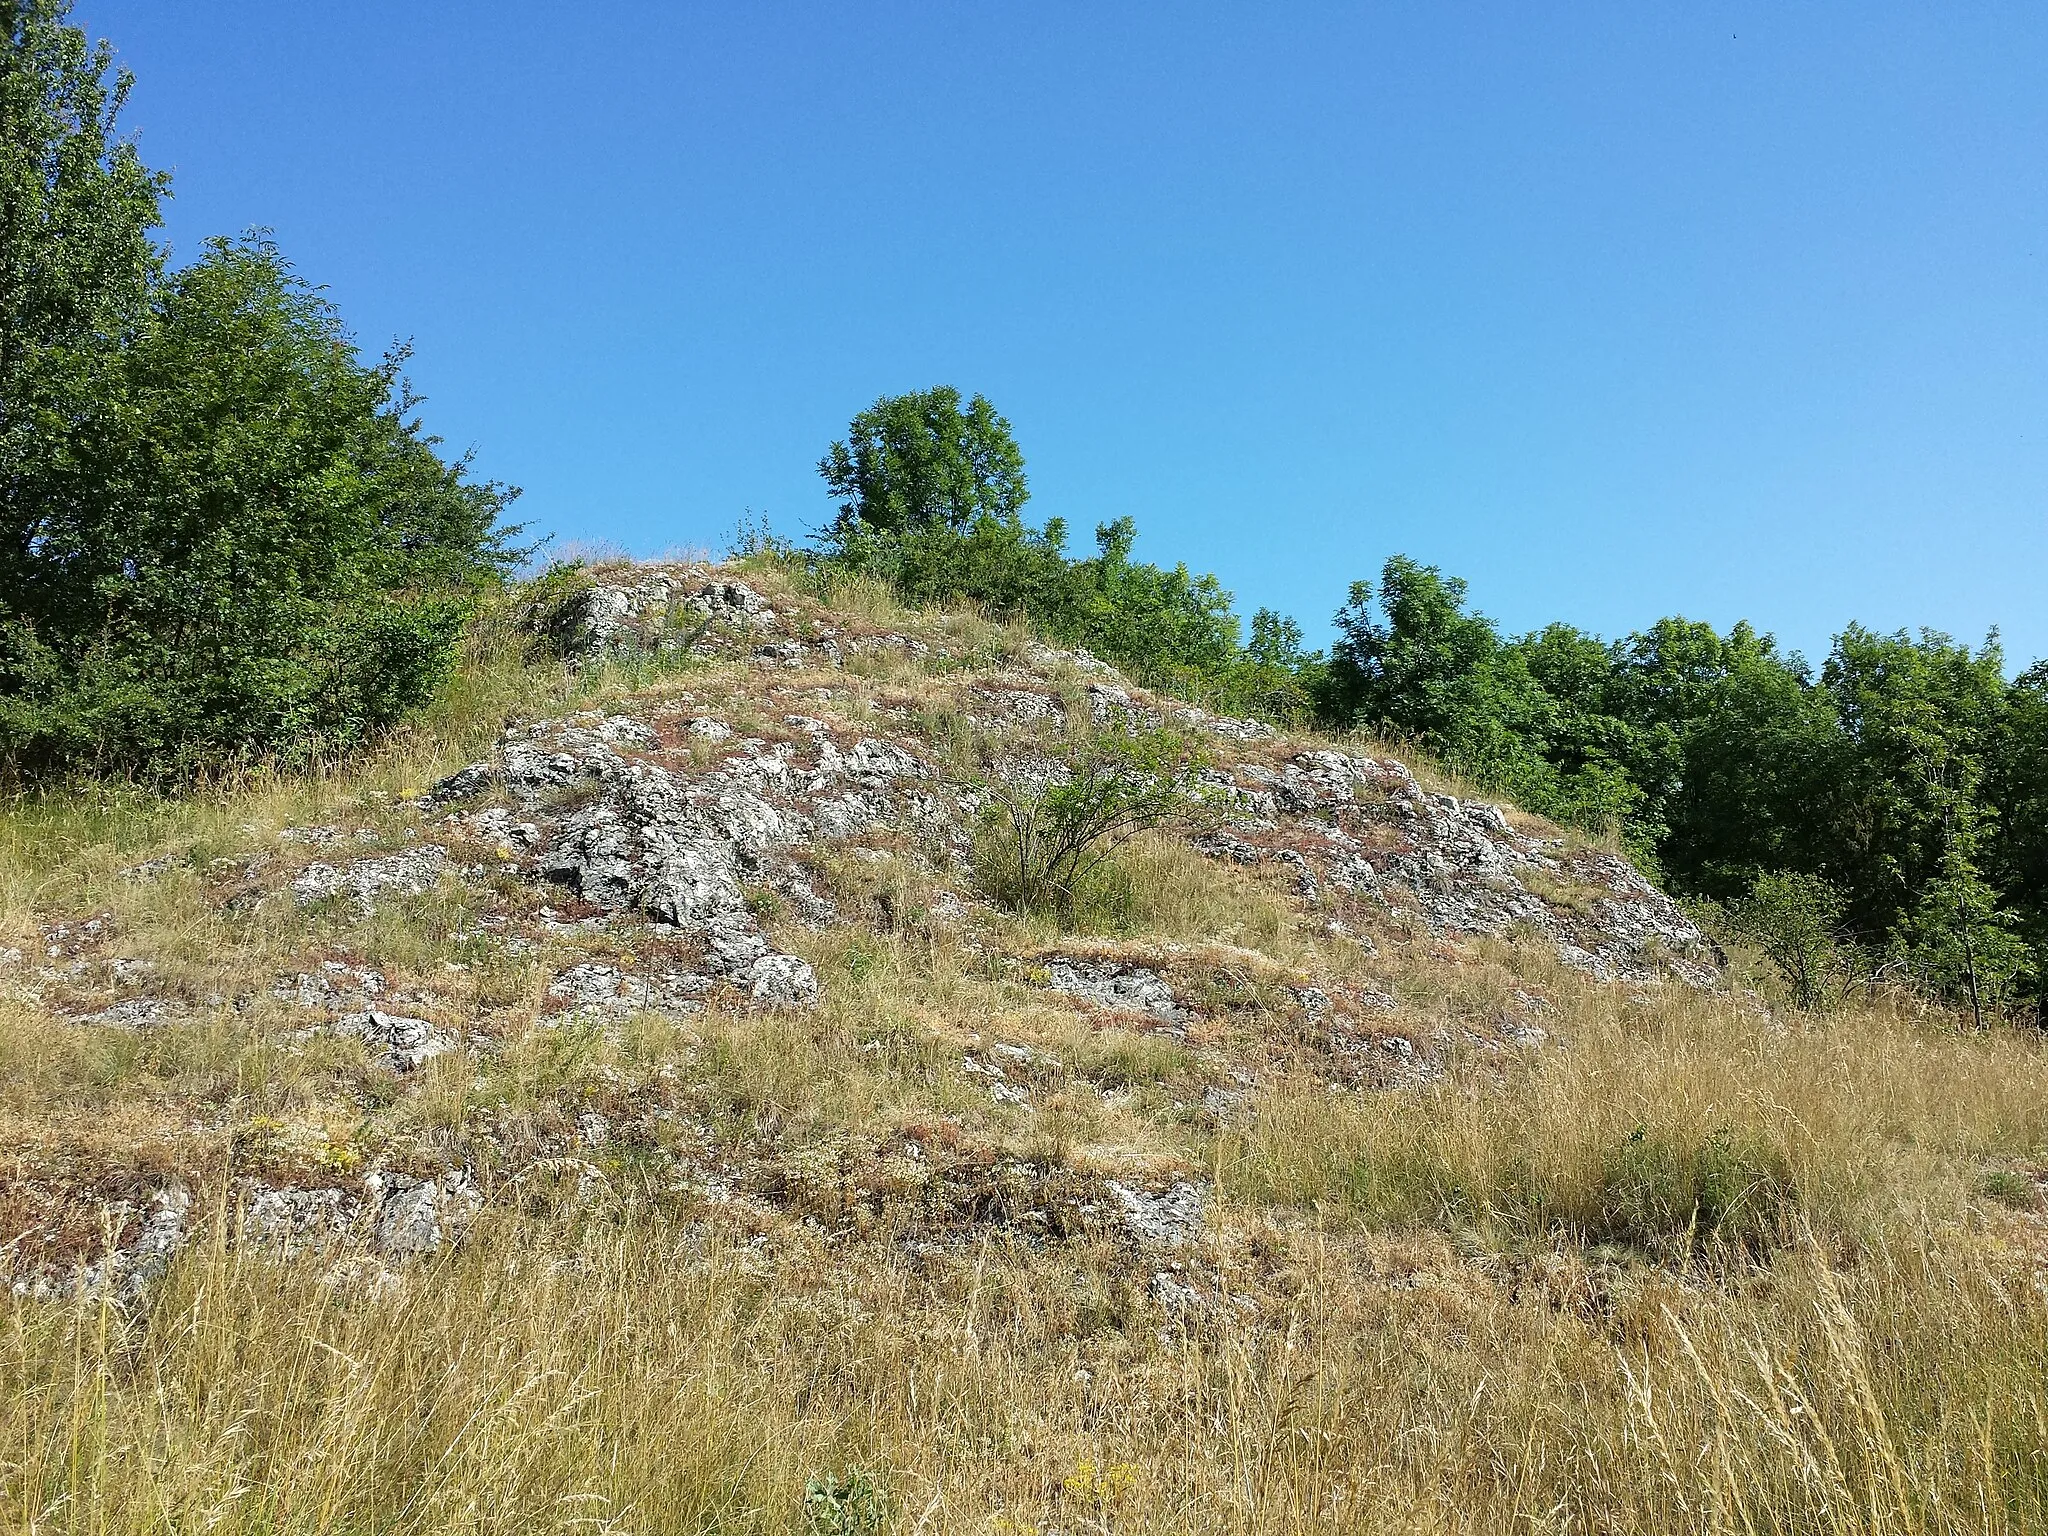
<point x="77" y="264"/>
<point x="1956" y="940"/>
<point x="1753" y="752"/>
<point x="930" y="501"/>
<point x="919" y="461"/>
<point x="1796" y="920"/>
<point x="1676" y="1192"/>
<point x="849" y="1503"/>
<point x="2016" y="782"/>
<point x="1914" y="718"/>
<point x="1659" y="1191"/>
<point x="553" y="610"/>
<point x="273" y="559"/>
<point x="1411" y="663"/>
<point x="2012" y="1189"/>
<point x="1274" y="678"/>
<point x="1166" y="628"/>
<point x="1720" y="762"/>
<point x="226" y="535"/>
<point x="1050" y="837"/>
<point x="1171" y="625"/>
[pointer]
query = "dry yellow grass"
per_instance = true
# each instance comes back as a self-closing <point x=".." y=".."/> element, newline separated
<point x="1688" y="1266"/>
<point x="620" y="1373"/>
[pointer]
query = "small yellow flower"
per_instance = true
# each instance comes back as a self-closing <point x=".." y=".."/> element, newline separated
<point x="1101" y="1485"/>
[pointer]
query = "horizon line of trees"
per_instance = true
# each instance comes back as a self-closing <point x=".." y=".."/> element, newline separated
<point x="1891" y="804"/>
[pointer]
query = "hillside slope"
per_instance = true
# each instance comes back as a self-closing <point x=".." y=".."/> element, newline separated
<point x="671" y="1056"/>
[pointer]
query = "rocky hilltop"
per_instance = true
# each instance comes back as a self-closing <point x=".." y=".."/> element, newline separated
<point x="764" y="812"/>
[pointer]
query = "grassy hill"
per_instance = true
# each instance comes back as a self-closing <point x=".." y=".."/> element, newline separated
<point x="619" y="1104"/>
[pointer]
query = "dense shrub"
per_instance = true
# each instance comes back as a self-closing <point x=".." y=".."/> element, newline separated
<point x="270" y="557"/>
<point x="930" y="500"/>
<point x="1883" y="780"/>
<point x="1796" y="921"/>
<point x="227" y="535"/>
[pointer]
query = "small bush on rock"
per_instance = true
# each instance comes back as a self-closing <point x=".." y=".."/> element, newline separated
<point x="1049" y="840"/>
<point x="553" y="612"/>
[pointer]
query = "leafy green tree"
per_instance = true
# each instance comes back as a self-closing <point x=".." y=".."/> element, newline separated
<point x="1167" y="627"/>
<point x="2016" y="846"/>
<point x="913" y="462"/>
<point x="1407" y="652"/>
<point x="1273" y="677"/>
<point x="225" y="534"/>
<point x="1006" y="568"/>
<point x="1412" y="663"/>
<point x="77" y="267"/>
<point x="1796" y="920"/>
<point x="1758" y="752"/>
<point x="1956" y="940"/>
<point x="931" y="498"/>
<point x="1913" y="715"/>
<point x="1608" y="767"/>
<point x="273" y="559"/>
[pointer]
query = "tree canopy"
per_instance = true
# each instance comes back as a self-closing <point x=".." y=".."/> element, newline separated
<point x="227" y="534"/>
<point x="914" y="462"/>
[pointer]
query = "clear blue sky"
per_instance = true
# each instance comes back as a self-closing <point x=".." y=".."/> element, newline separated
<point x="1615" y="310"/>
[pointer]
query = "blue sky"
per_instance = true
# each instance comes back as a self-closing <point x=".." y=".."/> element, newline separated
<point x="1615" y="310"/>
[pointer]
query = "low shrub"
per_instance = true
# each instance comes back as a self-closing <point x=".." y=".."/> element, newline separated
<point x="1050" y="842"/>
<point x="1795" y="919"/>
<point x="849" y="1503"/>
<point x="1659" y="1190"/>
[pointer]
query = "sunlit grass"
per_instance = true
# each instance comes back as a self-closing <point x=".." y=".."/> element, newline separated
<point x="1688" y="1266"/>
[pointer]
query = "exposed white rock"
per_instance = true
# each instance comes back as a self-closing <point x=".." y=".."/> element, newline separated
<point x="1458" y="865"/>
<point x="1228" y="727"/>
<point x="681" y="846"/>
<point x="335" y="984"/>
<point x="290" y="1220"/>
<point x="403" y="1044"/>
<point x="414" y="1218"/>
<point x="412" y="872"/>
<point x="595" y="988"/>
<point x="397" y="1216"/>
<point x="1122" y="988"/>
<point x="651" y="610"/>
<point x="1165" y="1219"/>
<point x="135" y="1013"/>
<point x="130" y="1269"/>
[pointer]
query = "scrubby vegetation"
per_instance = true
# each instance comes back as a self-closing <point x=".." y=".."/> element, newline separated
<point x="1049" y="841"/>
<point x="232" y="540"/>
<point x="1693" y="1264"/>
<point x="1900" y="788"/>
<point x="1078" y="1168"/>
